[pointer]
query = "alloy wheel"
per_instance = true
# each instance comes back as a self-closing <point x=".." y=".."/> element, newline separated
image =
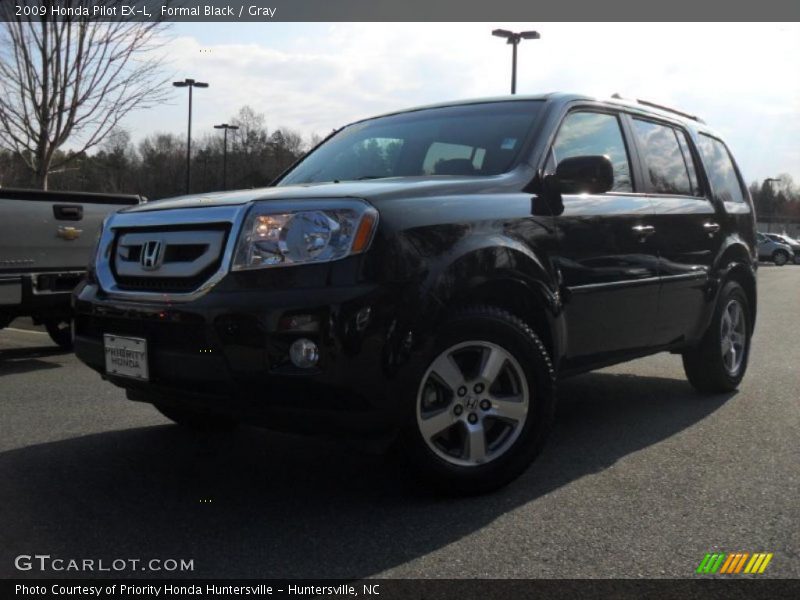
<point x="733" y="337"/>
<point x="472" y="403"/>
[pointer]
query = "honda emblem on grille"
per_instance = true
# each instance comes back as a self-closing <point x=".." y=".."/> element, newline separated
<point x="152" y="255"/>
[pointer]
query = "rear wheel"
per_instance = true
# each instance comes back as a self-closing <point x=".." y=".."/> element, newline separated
<point x="196" y="420"/>
<point x="483" y="404"/>
<point x="780" y="258"/>
<point x="718" y="363"/>
<point x="60" y="332"/>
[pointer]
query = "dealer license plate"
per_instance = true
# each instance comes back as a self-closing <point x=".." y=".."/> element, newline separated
<point x="126" y="356"/>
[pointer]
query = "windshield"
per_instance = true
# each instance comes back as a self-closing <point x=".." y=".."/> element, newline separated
<point x="476" y="139"/>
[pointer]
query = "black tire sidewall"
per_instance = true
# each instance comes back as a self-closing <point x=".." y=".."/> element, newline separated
<point x="731" y="290"/>
<point x="783" y="255"/>
<point x="60" y="336"/>
<point x="498" y="328"/>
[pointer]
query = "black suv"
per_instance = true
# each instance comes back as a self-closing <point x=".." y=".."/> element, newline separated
<point x="424" y="277"/>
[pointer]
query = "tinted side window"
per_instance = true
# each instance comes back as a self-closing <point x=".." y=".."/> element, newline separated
<point x="720" y="169"/>
<point x="664" y="160"/>
<point x="591" y="133"/>
<point x="688" y="158"/>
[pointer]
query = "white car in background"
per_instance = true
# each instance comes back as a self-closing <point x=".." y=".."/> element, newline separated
<point x="793" y="243"/>
<point x="769" y="250"/>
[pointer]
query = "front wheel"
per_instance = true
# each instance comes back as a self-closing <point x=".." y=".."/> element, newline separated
<point x="60" y="332"/>
<point x="718" y="363"/>
<point x="780" y="258"/>
<point x="483" y="403"/>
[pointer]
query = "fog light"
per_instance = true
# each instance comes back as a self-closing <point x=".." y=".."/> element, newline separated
<point x="304" y="353"/>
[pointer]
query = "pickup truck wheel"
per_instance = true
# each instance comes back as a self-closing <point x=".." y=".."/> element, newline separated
<point x="483" y="402"/>
<point x="718" y="363"/>
<point x="60" y="332"/>
<point x="196" y="420"/>
<point x="780" y="258"/>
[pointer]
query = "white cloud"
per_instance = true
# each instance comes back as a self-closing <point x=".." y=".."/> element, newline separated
<point x="742" y="78"/>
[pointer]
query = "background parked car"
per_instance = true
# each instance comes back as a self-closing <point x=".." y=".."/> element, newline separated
<point x="772" y="251"/>
<point x="791" y="242"/>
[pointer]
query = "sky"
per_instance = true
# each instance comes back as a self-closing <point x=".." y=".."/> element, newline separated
<point x="742" y="79"/>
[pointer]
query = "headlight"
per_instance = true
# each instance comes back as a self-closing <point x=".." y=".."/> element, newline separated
<point x="279" y="234"/>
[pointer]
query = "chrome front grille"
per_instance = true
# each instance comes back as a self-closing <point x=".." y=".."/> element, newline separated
<point x="181" y="254"/>
<point x="168" y="255"/>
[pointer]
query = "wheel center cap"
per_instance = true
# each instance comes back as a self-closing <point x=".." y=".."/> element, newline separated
<point x="471" y="402"/>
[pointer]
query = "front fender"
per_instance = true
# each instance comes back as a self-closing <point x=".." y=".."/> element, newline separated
<point x="492" y="268"/>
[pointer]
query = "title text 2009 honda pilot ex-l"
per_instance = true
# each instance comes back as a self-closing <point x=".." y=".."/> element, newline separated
<point x="426" y="276"/>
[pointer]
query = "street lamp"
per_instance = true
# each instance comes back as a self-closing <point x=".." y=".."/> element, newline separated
<point x="226" y="127"/>
<point x="190" y="83"/>
<point x="514" y="39"/>
<point x="771" y="216"/>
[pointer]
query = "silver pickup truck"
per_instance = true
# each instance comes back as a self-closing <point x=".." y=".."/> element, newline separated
<point x="46" y="241"/>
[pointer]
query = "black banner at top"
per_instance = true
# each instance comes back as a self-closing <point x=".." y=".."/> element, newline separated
<point x="398" y="11"/>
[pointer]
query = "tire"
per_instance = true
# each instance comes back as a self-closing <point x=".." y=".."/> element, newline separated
<point x="708" y="365"/>
<point x="197" y="421"/>
<point x="60" y="332"/>
<point x="780" y="258"/>
<point x="512" y="416"/>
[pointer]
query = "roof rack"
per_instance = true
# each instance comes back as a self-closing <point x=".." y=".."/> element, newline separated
<point x="664" y="108"/>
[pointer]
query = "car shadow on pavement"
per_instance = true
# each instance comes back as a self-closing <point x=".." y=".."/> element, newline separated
<point x="24" y="360"/>
<point x="261" y="504"/>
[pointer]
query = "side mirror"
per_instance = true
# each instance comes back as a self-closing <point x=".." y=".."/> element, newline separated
<point x="585" y="175"/>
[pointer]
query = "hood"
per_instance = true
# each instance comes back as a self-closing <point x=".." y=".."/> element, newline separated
<point x="374" y="190"/>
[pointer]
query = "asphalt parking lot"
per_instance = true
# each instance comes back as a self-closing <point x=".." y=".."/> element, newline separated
<point x="641" y="478"/>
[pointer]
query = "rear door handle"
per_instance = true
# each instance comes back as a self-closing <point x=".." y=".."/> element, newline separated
<point x="643" y="231"/>
<point x="68" y="212"/>
<point x="711" y="228"/>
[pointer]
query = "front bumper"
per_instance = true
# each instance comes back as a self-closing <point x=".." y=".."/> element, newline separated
<point x="41" y="295"/>
<point x="227" y="352"/>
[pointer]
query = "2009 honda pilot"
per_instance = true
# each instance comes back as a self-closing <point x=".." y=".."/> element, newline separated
<point x="426" y="276"/>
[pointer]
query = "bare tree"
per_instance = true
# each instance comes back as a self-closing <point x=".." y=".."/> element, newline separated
<point x="251" y="136"/>
<point x="71" y="78"/>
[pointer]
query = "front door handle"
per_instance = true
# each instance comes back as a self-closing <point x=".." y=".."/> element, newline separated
<point x="643" y="231"/>
<point x="711" y="228"/>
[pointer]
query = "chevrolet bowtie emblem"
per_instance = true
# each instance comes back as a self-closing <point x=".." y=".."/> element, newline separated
<point x="69" y="233"/>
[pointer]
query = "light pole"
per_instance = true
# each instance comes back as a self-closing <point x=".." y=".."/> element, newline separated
<point x="190" y="83"/>
<point x="771" y="216"/>
<point x="514" y="39"/>
<point x="226" y="127"/>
